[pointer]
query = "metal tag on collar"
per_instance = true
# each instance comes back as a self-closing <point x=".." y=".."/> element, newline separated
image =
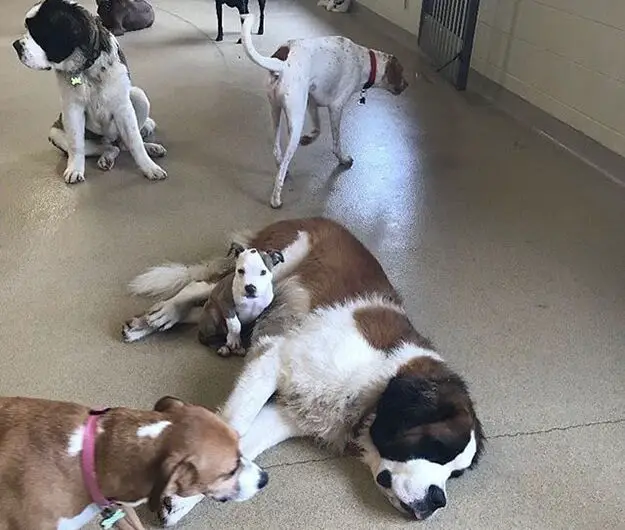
<point x="111" y="516"/>
<point x="75" y="80"/>
<point x="363" y="98"/>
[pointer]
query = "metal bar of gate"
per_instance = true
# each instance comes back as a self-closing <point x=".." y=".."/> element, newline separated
<point x="446" y="34"/>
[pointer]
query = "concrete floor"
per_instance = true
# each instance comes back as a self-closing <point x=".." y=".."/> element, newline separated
<point x="510" y="254"/>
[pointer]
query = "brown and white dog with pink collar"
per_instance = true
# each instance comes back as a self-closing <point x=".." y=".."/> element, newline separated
<point x="62" y="464"/>
<point x="318" y="72"/>
<point x="336" y="358"/>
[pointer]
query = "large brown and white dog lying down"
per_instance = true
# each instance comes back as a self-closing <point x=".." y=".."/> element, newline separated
<point x="342" y="361"/>
<point x="318" y="72"/>
<point x="137" y="456"/>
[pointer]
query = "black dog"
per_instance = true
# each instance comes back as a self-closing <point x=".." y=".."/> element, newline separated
<point x="241" y="5"/>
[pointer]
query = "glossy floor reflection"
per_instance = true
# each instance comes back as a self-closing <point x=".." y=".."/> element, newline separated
<point x="509" y="252"/>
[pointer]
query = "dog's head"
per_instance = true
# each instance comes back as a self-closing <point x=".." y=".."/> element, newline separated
<point x="393" y="79"/>
<point x="61" y="35"/>
<point x="424" y="432"/>
<point x="201" y="456"/>
<point x="253" y="271"/>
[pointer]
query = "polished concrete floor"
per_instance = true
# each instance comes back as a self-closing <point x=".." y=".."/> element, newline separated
<point x="510" y="254"/>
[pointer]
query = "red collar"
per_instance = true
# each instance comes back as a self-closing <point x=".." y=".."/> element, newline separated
<point x="373" y="72"/>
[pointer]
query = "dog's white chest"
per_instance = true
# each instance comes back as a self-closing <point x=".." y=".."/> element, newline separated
<point x="249" y="309"/>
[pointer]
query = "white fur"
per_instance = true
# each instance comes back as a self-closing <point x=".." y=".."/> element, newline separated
<point x="77" y="522"/>
<point x="336" y="6"/>
<point x="75" y="441"/>
<point x="251" y="270"/>
<point x="324" y="361"/>
<point x="102" y="100"/>
<point x="318" y="72"/>
<point x="248" y="479"/>
<point x="328" y="377"/>
<point x="411" y="479"/>
<point x="154" y="430"/>
<point x="183" y="280"/>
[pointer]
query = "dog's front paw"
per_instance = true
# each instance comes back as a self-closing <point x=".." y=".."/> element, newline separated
<point x="72" y="175"/>
<point x="155" y="172"/>
<point x="155" y="150"/>
<point x="233" y="341"/>
<point x="219" y="38"/>
<point x="346" y="161"/>
<point x="276" y="201"/>
<point x="174" y="508"/>
<point x="224" y="351"/>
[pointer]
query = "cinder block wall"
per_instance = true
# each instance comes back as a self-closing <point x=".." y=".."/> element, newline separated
<point x="567" y="57"/>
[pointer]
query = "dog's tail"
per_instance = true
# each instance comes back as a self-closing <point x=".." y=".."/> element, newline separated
<point x="269" y="63"/>
<point x="168" y="279"/>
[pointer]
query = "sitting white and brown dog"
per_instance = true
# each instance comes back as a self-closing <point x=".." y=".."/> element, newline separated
<point x="101" y="110"/>
<point x="60" y="462"/>
<point x="239" y="299"/>
<point x="313" y="73"/>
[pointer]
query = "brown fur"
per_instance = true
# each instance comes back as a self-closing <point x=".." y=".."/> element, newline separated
<point x="42" y="484"/>
<point x="394" y="73"/>
<point x="282" y="53"/>
<point x="337" y="267"/>
<point x="386" y="328"/>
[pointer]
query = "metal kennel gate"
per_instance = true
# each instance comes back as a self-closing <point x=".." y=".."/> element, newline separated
<point x="446" y="32"/>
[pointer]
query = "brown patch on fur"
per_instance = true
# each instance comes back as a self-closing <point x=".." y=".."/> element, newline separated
<point x="281" y="53"/>
<point x="450" y="391"/>
<point x="338" y="266"/>
<point x="44" y="483"/>
<point x="394" y="74"/>
<point x="386" y="328"/>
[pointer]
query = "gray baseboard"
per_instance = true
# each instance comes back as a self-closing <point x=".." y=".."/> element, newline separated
<point x="607" y="162"/>
<point x="604" y="160"/>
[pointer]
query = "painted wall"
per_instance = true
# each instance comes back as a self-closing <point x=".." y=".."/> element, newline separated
<point x="565" y="56"/>
<point x="403" y="13"/>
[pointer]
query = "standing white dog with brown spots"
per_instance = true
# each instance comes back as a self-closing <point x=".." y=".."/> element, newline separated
<point x="313" y="73"/>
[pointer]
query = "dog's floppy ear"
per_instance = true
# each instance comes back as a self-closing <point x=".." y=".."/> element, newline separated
<point x="276" y="256"/>
<point x="167" y="403"/>
<point x="175" y="476"/>
<point x="235" y="250"/>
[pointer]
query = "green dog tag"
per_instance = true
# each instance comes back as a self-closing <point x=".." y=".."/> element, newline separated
<point x="112" y="517"/>
<point x="76" y="80"/>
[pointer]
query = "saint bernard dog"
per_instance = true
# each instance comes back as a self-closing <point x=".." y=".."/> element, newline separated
<point x="334" y="358"/>
<point x="101" y="110"/>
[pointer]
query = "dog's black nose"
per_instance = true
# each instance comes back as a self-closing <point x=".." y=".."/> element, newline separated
<point x="250" y="289"/>
<point x="262" y="481"/>
<point x="17" y="46"/>
<point x="436" y="498"/>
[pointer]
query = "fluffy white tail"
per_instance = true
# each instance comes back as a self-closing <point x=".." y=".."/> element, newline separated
<point x="269" y="63"/>
<point x="167" y="279"/>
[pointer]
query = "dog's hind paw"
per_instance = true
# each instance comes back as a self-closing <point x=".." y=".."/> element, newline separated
<point x="148" y="128"/>
<point x="155" y="150"/>
<point x="135" y="329"/>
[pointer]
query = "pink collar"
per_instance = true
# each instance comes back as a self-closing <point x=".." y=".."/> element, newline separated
<point x="88" y="459"/>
